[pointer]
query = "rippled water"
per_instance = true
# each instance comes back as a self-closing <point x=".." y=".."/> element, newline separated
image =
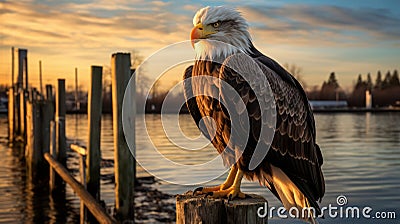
<point x="361" y="154"/>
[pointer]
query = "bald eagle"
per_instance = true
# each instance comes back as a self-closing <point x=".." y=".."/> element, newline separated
<point x="291" y="167"/>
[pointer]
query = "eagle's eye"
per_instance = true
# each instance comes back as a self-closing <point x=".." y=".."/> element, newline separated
<point x="216" y="24"/>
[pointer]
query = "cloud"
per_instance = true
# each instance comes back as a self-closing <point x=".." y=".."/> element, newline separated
<point x="328" y="24"/>
<point x="68" y="35"/>
<point x="38" y="25"/>
<point x="79" y="33"/>
<point x="149" y="25"/>
<point x="192" y="8"/>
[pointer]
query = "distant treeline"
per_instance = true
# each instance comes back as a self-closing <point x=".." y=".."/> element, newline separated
<point x="385" y="91"/>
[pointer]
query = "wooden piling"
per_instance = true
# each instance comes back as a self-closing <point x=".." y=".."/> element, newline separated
<point x="11" y="102"/>
<point x="93" y="157"/>
<point x="49" y="92"/>
<point x="40" y="79"/>
<point x="25" y="67"/>
<point x="17" y="113"/>
<point x="77" y="103"/>
<point x="53" y="142"/>
<point x="124" y="162"/>
<point x="82" y="172"/>
<point x="21" y="59"/>
<point x="199" y="209"/>
<point x="11" y="116"/>
<point x="60" y="122"/>
<point x="91" y="203"/>
<point x="19" y="90"/>
<point x="33" y="151"/>
<point x="47" y="113"/>
<point x="22" y="114"/>
<point x="12" y="66"/>
<point x="130" y="100"/>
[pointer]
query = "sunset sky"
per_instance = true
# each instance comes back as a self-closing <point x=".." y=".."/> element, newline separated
<point x="347" y="37"/>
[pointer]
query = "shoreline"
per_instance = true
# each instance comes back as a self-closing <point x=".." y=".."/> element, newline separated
<point x="316" y="110"/>
<point x="355" y="110"/>
<point x="152" y="205"/>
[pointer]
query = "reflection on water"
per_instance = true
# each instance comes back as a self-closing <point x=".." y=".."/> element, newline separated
<point x="173" y="147"/>
<point x="26" y="199"/>
<point x="166" y="158"/>
<point x="361" y="161"/>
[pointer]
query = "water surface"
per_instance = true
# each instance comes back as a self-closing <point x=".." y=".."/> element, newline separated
<point x="361" y="161"/>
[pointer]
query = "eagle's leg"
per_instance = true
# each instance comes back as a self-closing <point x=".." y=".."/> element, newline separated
<point x="233" y="191"/>
<point x="228" y="183"/>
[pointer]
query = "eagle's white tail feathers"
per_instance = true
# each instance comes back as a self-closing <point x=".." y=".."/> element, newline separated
<point x="290" y="195"/>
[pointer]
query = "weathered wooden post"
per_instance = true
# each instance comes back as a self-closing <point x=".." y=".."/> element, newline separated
<point x="37" y="132"/>
<point x="40" y="79"/>
<point x="22" y="114"/>
<point x="12" y="66"/>
<point x="49" y="92"/>
<point x="82" y="172"/>
<point x="77" y="103"/>
<point x="23" y="79"/>
<point x="199" y="209"/>
<point x="24" y="58"/>
<point x="11" y="102"/>
<point x="22" y="68"/>
<point x="93" y="157"/>
<point x="29" y="147"/>
<point x="61" y="148"/>
<point x="11" y="115"/>
<point x="47" y="113"/>
<point x="17" y="116"/>
<point x="131" y="116"/>
<point x="124" y="162"/>
<point x="60" y="122"/>
<point x="53" y="143"/>
<point x="33" y="151"/>
<point x="82" y="152"/>
<point x="87" y="198"/>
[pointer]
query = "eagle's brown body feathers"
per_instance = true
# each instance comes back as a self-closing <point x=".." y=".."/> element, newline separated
<point x="293" y="149"/>
<point x="291" y="165"/>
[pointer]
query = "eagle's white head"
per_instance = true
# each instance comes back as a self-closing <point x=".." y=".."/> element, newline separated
<point x="219" y="32"/>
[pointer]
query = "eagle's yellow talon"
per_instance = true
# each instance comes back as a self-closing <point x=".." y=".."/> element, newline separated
<point x="205" y="190"/>
<point x="230" y="193"/>
<point x="229" y="189"/>
<point x="227" y="184"/>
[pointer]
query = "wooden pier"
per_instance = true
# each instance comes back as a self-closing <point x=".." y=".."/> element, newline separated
<point x="37" y="120"/>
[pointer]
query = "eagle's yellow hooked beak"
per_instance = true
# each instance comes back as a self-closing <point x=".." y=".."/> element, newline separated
<point x="201" y="32"/>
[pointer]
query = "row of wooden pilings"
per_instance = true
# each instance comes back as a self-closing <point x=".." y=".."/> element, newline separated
<point x="38" y="121"/>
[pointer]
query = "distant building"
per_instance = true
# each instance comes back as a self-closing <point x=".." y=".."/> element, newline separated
<point x="368" y="99"/>
<point x="3" y="105"/>
<point x="327" y="104"/>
